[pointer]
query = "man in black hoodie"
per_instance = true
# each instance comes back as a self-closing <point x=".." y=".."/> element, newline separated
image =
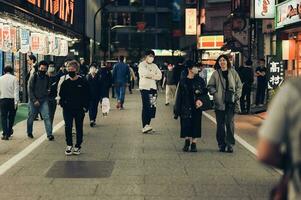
<point x="74" y="98"/>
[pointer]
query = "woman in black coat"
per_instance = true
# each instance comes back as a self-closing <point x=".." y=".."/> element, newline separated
<point x="188" y="106"/>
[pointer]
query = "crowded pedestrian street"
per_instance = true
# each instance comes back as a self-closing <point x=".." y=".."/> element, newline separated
<point x="118" y="162"/>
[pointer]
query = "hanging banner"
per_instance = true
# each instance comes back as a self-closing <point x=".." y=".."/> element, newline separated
<point x="64" y="48"/>
<point x="6" y="38"/>
<point x="53" y="43"/>
<point x="35" y="42"/>
<point x="24" y="40"/>
<point x="13" y="38"/>
<point x="1" y="36"/>
<point x="264" y="9"/>
<point x="43" y="46"/>
<point x="190" y="21"/>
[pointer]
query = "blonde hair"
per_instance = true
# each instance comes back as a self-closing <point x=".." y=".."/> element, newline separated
<point x="73" y="63"/>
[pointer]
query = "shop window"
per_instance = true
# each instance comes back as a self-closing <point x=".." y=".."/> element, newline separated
<point x="123" y="2"/>
<point x="150" y="2"/>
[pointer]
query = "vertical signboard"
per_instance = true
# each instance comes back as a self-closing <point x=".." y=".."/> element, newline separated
<point x="1" y="36"/>
<point x="264" y="9"/>
<point x="6" y="38"/>
<point x="35" y="42"/>
<point x="13" y="38"/>
<point x="275" y="72"/>
<point x="64" y="48"/>
<point x="24" y="41"/>
<point x="1" y="63"/>
<point x="190" y="21"/>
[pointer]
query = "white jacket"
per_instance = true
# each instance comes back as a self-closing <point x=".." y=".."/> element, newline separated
<point x="148" y="74"/>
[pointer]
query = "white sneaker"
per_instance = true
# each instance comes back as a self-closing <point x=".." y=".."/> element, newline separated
<point x="76" y="150"/>
<point x="147" y="128"/>
<point x="68" y="151"/>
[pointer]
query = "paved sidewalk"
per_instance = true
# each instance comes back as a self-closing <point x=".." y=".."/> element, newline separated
<point x="146" y="167"/>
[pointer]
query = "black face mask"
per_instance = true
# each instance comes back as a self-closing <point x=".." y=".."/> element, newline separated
<point x="72" y="74"/>
<point x="42" y="73"/>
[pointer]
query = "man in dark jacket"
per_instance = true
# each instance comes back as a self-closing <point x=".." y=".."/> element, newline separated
<point x="121" y="76"/>
<point x="178" y="70"/>
<point x="74" y="98"/>
<point x="53" y="81"/>
<point x="246" y="75"/>
<point x="38" y="88"/>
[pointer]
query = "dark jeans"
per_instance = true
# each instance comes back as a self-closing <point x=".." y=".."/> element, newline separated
<point x="113" y="92"/>
<point x="78" y="116"/>
<point x="120" y="93"/>
<point x="245" y="99"/>
<point x="225" y="126"/>
<point x="146" y="112"/>
<point x="93" y="108"/>
<point x="52" y="108"/>
<point x="131" y="85"/>
<point x="8" y="113"/>
<point x="260" y="94"/>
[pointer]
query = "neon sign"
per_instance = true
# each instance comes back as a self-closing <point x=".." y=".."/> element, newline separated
<point x="64" y="9"/>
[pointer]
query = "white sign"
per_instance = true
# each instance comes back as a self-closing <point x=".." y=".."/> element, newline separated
<point x="25" y="36"/>
<point x="265" y="9"/>
<point x="64" y="48"/>
<point x="288" y="13"/>
<point x="190" y="21"/>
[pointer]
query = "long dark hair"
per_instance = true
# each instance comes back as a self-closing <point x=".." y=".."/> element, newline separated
<point x="217" y="66"/>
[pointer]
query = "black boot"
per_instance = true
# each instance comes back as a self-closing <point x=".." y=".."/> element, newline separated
<point x="193" y="147"/>
<point x="186" y="146"/>
<point x="229" y="149"/>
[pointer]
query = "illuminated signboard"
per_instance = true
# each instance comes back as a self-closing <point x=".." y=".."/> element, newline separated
<point x="211" y="42"/>
<point x="64" y="9"/>
<point x="264" y="9"/>
<point x="287" y="13"/>
<point x="190" y="21"/>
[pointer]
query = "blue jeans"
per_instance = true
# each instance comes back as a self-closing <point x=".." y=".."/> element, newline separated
<point x="120" y="93"/>
<point x="32" y="112"/>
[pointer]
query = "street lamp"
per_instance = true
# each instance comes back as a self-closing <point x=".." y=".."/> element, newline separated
<point x="107" y="2"/>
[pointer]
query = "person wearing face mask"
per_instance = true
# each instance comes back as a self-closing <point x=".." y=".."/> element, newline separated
<point x="74" y="99"/>
<point x="149" y="73"/>
<point x="105" y="80"/>
<point x="226" y="87"/>
<point x="38" y="99"/>
<point x="187" y="106"/>
<point x="94" y="84"/>
<point x="53" y="81"/>
<point x="171" y="85"/>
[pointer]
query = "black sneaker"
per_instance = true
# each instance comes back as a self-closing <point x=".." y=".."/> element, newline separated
<point x="92" y="123"/>
<point x="50" y="137"/>
<point x="30" y="136"/>
<point x="193" y="147"/>
<point x="186" y="145"/>
<point x="166" y="104"/>
<point x="76" y="150"/>
<point x="229" y="149"/>
<point x="4" y="137"/>
<point x="222" y="148"/>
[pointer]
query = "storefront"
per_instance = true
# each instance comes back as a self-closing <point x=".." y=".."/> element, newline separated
<point x="44" y="28"/>
<point x="288" y="30"/>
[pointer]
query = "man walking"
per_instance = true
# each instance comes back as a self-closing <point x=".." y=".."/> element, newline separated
<point x="53" y="81"/>
<point x="9" y="98"/>
<point x="246" y="75"/>
<point x="171" y="85"/>
<point x="74" y="99"/>
<point x="38" y="88"/>
<point x="121" y="76"/>
<point x="261" y="82"/>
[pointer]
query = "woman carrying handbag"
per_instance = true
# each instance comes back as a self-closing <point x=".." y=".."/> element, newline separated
<point x="226" y="87"/>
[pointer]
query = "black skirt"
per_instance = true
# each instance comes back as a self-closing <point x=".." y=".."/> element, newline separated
<point x="192" y="127"/>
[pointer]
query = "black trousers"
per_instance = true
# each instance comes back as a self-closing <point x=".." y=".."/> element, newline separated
<point x="78" y="116"/>
<point x="225" y="126"/>
<point x="260" y="94"/>
<point x="245" y="99"/>
<point x="52" y="108"/>
<point x="93" y="108"/>
<point x="8" y="114"/>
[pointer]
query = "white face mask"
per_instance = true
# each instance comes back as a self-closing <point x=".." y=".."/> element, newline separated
<point x="51" y="69"/>
<point x="150" y="59"/>
<point x="195" y="70"/>
<point x="93" y="70"/>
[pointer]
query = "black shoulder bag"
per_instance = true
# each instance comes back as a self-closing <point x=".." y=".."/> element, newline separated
<point x="229" y="95"/>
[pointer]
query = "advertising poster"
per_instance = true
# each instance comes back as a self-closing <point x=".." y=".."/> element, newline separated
<point x="8" y="59"/>
<point x="64" y="48"/>
<point x="35" y="42"/>
<point x="17" y="65"/>
<point x="24" y="41"/>
<point x="6" y="38"/>
<point x="1" y="63"/>
<point x="190" y="21"/>
<point x="13" y="38"/>
<point x="1" y="36"/>
<point x="287" y="13"/>
<point x="264" y="9"/>
<point x="53" y="43"/>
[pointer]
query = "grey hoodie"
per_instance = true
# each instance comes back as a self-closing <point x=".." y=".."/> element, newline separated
<point x="216" y="89"/>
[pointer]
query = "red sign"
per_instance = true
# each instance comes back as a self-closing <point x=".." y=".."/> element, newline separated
<point x="13" y="37"/>
<point x="63" y="8"/>
<point x="1" y="36"/>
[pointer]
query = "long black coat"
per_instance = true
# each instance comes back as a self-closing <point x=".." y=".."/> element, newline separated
<point x="183" y="106"/>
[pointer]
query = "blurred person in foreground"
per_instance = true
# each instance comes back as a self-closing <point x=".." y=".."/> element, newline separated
<point x="280" y="140"/>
